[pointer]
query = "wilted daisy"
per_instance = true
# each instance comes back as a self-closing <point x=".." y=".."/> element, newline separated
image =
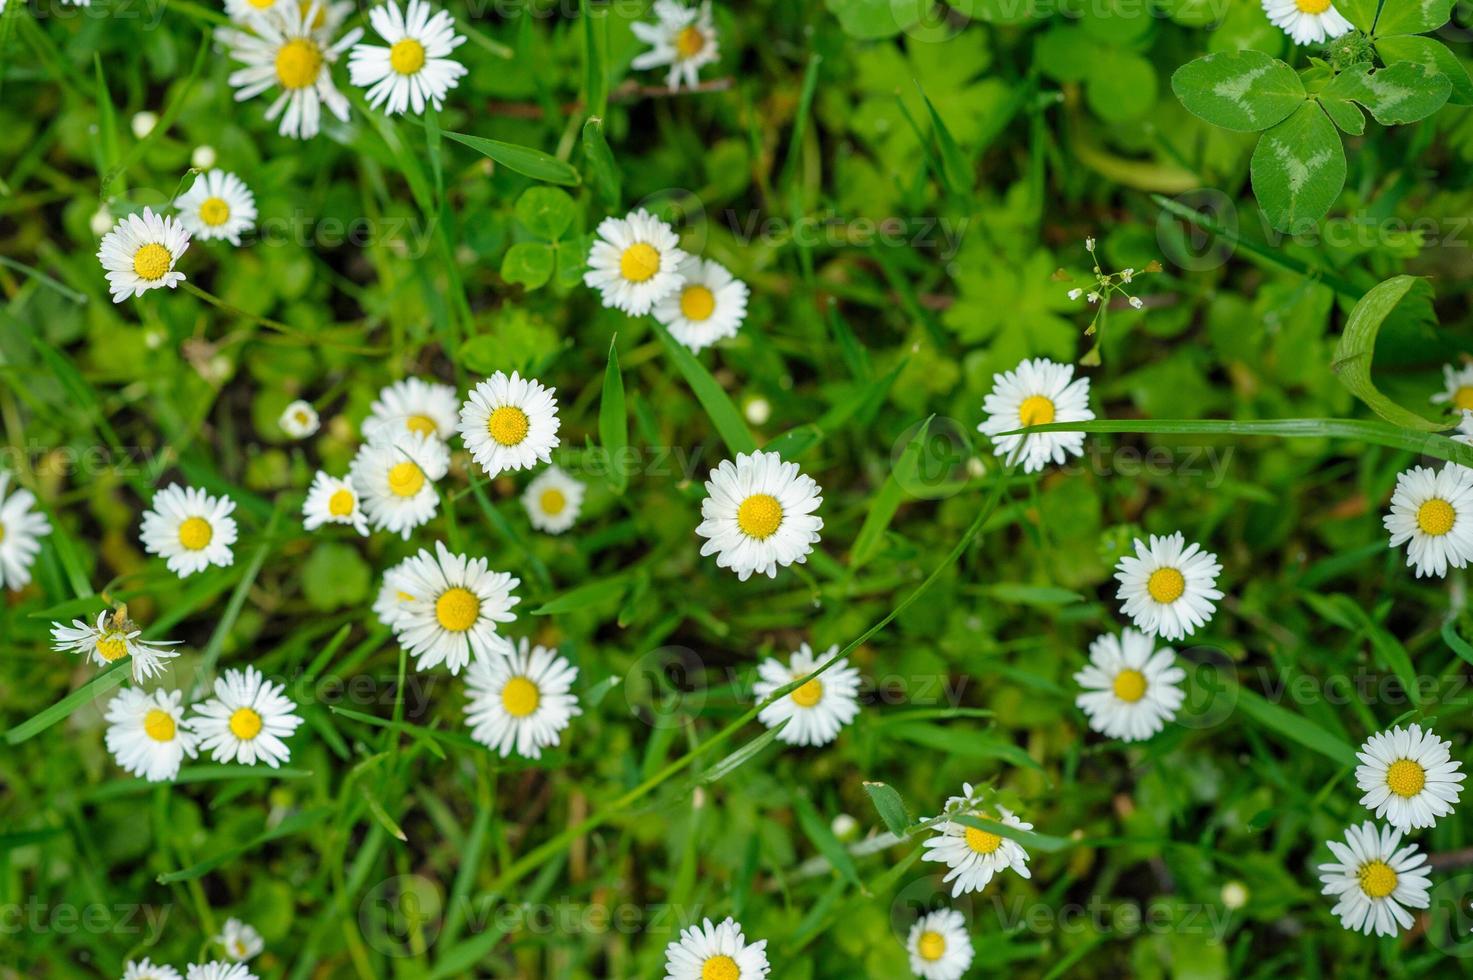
<point x="246" y="720"/>
<point x="1457" y="390"/>
<point x="413" y="405"/>
<point x="283" y="50"/>
<point x="189" y="529"/>
<point x="819" y="708"/>
<point x="456" y="606"/>
<point x="299" y="419"/>
<point x="390" y="604"/>
<point x="140" y="252"/>
<point x="972" y="854"/>
<point x="1307" y="21"/>
<point x="758" y="514"/>
<point x="510" y="423"/>
<point x="415" y="69"/>
<point x="1168" y="586"/>
<point x="113" y="638"/>
<point x="145" y="733"/>
<point x="1130" y="687"/>
<point x="396" y="480"/>
<point x="553" y="501"/>
<point x="1409" y="777"/>
<point x="708" y="952"/>
<point x="939" y="946"/>
<point x="218" y="205"/>
<point x="216" y="970"/>
<point x="682" y="37"/>
<point x="331" y="500"/>
<point x="520" y="702"/>
<point x="21" y="529"/>
<point x="710" y="304"/>
<point x="1432" y="514"/>
<point x="145" y="969"/>
<point x="1036" y="392"/>
<point x="240" y="941"/>
<point x="635" y="262"/>
<point x="1375" y="882"/>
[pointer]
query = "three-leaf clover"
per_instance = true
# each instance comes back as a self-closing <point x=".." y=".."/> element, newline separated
<point x="547" y="214"/>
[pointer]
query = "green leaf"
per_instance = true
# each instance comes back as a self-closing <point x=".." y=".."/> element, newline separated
<point x="746" y="753"/>
<point x="595" y="57"/>
<point x="890" y="806"/>
<point x="523" y="159"/>
<point x="817" y="830"/>
<point x="1245" y="91"/>
<point x="1357" y="348"/>
<point x="871" y="20"/>
<point x="1030" y="840"/>
<point x="1455" y="642"/>
<point x="528" y="263"/>
<point x="1412" y="16"/>
<point x="335" y="575"/>
<point x="546" y="212"/>
<point x="887" y="501"/>
<point x="962" y="742"/>
<point x="606" y="179"/>
<point x="1346" y="115"/>
<point x="1434" y="54"/>
<point x="62" y="709"/>
<point x="954" y="164"/>
<point x="1298" y="169"/>
<point x="1361" y="13"/>
<point x="1397" y="94"/>
<point x="1295" y="727"/>
<point x="1121" y="85"/>
<point x="613" y="423"/>
<point x="723" y="414"/>
<point x="592" y="594"/>
<point x="296" y="823"/>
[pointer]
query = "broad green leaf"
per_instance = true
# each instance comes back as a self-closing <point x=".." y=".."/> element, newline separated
<point x="890" y="806"/>
<point x="1397" y="94"/>
<point x="1434" y="54"/>
<point x="1245" y="91"/>
<point x="1361" y="13"/>
<point x="962" y="742"/>
<point x="601" y="165"/>
<point x="1346" y="115"/>
<point x="613" y="423"/>
<point x="523" y="159"/>
<point x="723" y="414"/>
<point x="592" y="594"/>
<point x="1357" y="348"/>
<point x="871" y="20"/>
<point x="1121" y="85"/>
<point x="528" y="263"/>
<point x="1295" y="727"/>
<point x="1298" y="169"/>
<point x="1412" y="16"/>
<point x="62" y="709"/>
<point x="998" y="11"/>
<point x="546" y="212"/>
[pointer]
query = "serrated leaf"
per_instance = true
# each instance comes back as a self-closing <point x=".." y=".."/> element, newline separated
<point x="1356" y="351"/>
<point x="1298" y="169"/>
<point x="1435" y="55"/>
<point x="1397" y="94"/>
<point x="890" y="807"/>
<point x="524" y="160"/>
<point x="1412" y="16"/>
<point x="546" y="212"/>
<point x="1245" y="91"/>
<point x="528" y="263"/>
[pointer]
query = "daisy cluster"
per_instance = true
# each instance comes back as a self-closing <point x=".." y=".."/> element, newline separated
<point x="240" y="943"/>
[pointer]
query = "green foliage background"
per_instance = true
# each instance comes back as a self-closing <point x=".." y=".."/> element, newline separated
<point x="896" y="262"/>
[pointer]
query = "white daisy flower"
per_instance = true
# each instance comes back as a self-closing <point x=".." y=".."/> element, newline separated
<point x="1457" y="391"/>
<point x="758" y="514"/>
<point x="972" y="854"/>
<point x="300" y="420"/>
<point x="939" y="946"/>
<point x="145" y="733"/>
<point x="635" y="262"/>
<point x="1409" y="777"/>
<point x="145" y="969"/>
<point x="216" y="970"/>
<point x="330" y="15"/>
<point x="682" y="37"/>
<point x="21" y="528"/>
<point x="189" y="529"/>
<point x="113" y="638"/>
<point x="457" y="605"/>
<point x="218" y="205"/>
<point x="246" y="720"/>
<point x="1130" y="688"/>
<point x="1375" y="882"/>
<point x="553" y="500"/>
<point x="1036" y="392"/>
<point x="819" y="708"/>
<point x="390" y="604"/>
<point x="520" y="702"/>
<point x="1433" y="510"/>
<point x="1307" y="21"/>
<point x="331" y="500"/>
<point x="413" y="405"/>
<point x="709" y="306"/>
<point x="240" y="940"/>
<point x="283" y="50"/>
<point x="510" y="423"/>
<point x="415" y="69"/>
<point x="708" y="952"/>
<point x="140" y="252"/>
<point x="1168" y="586"/>
<point x="396" y="481"/>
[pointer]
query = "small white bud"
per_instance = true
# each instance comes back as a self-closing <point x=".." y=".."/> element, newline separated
<point x="1089" y="243"/>
<point x="1136" y="304"/>
<point x="203" y="157"/>
<point x="101" y="222"/>
<point x="1234" y="895"/>
<point x="844" y="826"/>
<point x="1093" y="297"/>
<point x="1075" y="293"/>
<point x="143" y="124"/>
<point x="758" y="411"/>
<point x="1127" y="275"/>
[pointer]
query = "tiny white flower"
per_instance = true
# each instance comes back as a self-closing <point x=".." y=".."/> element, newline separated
<point x="1127" y="275"/>
<point x="145" y="969"/>
<point x="189" y="529"/>
<point x="140" y="252"/>
<point x="246" y="720"/>
<point x="299" y="419"/>
<point x="974" y="855"/>
<point x="510" y="423"/>
<point x="1089" y="244"/>
<point x="456" y="606"/>
<point x="217" y="970"/>
<point x="1131" y="688"/>
<point x="758" y="410"/>
<point x="389" y="606"/>
<point x="816" y="711"/>
<point x="203" y="157"/>
<point x="716" y="952"/>
<point x="1234" y="895"/>
<point x="240" y="940"/>
<point x="635" y="262"/>
<point x="143" y="123"/>
<point x="101" y="221"/>
<point x="1432" y="514"/>
<point x="217" y="206"/>
<point x="1168" y="586"/>
<point x="1036" y="392"/>
<point x="331" y="500"/>
<point x="939" y="946"/>
<point x="1136" y="303"/>
<point x="413" y="405"/>
<point x="146" y="734"/>
<point x="415" y="70"/>
<point x="1375" y="880"/>
<point x="396" y="478"/>
<point x="710" y="305"/>
<point x="1307" y="21"/>
<point x="111" y="640"/>
<point x="759" y="514"/>
<point x="553" y="500"/>
<point x="1093" y="297"/>
<point x="682" y="37"/>
<point x="283" y="49"/>
<point x="1409" y="777"/>
<point x="520" y="702"/>
<point x="21" y="529"/>
<point x="1075" y="293"/>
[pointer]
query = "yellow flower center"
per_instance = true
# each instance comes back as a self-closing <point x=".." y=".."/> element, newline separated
<point x="2" y="532"/>
<point x="245" y="724"/>
<point x="759" y="516"/>
<point x="639" y="262"/>
<point x="340" y="504"/>
<point x="552" y="502"/>
<point x="1166" y="585"/>
<point x="1377" y="879"/>
<point x="1405" y="778"/>
<point x="689" y="42"/>
<point x="302" y="417"/>
<point x="931" y="946"/>
<point x="520" y="697"/>
<point x="1130" y="685"/>
<point x="151" y="262"/>
<point x="214" y="212"/>
<point x="1312" y="6"/>
<point x="457" y="609"/>
<point x="697" y="303"/>
<point x="263" y="4"/>
<point x="1436" y="517"/>
<point x="195" y="533"/>
<point x="981" y="841"/>
<point x="1036" y="410"/>
<point x="240" y="949"/>
<point x="422" y="424"/>
<point x="508" y="425"/>
<point x="720" y="967"/>
<point x="159" y="725"/>
<point x="321" y="16"/>
<point x="406" y="479"/>
<point x="298" y="63"/>
<point x="809" y="694"/>
<point x="407" y="56"/>
<point x="1463" y="398"/>
<point x="112" y="646"/>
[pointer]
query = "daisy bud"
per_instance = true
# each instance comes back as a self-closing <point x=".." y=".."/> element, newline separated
<point x="1127" y="275"/>
<point x="1089" y="243"/>
<point x="1136" y="303"/>
<point x="203" y="157"/>
<point x="1093" y="297"/>
<point x="143" y="124"/>
<point x="1075" y="293"/>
